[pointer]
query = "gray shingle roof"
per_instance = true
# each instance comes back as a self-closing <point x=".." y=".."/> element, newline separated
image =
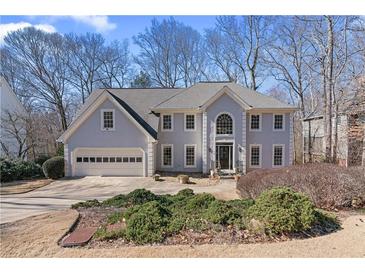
<point x="195" y="96"/>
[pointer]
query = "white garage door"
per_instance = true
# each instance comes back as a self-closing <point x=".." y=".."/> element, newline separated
<point x="108" y="161"/>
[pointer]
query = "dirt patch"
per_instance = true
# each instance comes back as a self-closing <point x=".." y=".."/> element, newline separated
<point x="37" y="237"/>
<point x="24" y="186"/>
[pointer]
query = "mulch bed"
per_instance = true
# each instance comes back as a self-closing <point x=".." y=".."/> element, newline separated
<point x="97" y="217"/>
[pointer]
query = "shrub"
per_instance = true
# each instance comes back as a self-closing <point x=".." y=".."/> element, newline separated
<point x="11" y="170"/>
<point x="116" y="201"/>
<point x="41" y="159"/>
<point x="104" y="235"/>
<point x="54" y="168"/>
<point x="327" y="185"/>
<point x="115" y="217"/>
<point x="146" y="223"/>
<point x="86" y="204"/>
<point x="136" y="197"/>
<point x="199" y="202"/>
<point x="282" y="210"/>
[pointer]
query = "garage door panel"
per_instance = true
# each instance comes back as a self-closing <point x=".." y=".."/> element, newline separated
<point x="109" y="162"/>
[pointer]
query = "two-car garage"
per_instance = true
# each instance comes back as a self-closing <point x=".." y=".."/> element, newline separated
<point x="108" y="162"/>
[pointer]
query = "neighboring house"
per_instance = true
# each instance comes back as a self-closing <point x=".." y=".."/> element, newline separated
<point x="351" y="138"/>
<point x="137" y="132"/>
<point x="12" y="114"/>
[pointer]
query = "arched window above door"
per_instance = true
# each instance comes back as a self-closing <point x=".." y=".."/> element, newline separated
<point x="224" y="124"/>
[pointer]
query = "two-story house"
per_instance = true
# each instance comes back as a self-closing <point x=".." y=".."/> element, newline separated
<point x="136" y="132"/>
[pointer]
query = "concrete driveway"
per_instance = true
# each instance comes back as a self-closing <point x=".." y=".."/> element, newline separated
<point x="63" y="193"/>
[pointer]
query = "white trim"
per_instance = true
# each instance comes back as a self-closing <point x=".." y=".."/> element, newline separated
<point x="291" y="139"/>
<point x="204" y="148"/>
<point x="283" y="155"/>
<point x="66" y="158"/>
<point x="244" y="152"/>
<point x="273" y="122"/>
<point x="233" y="125"/>
<point x="172" y="122"/>
<point x="102" y="119"/>
<point x="217" y="142"/>
<point x="74" y="155"/>
<point x="260" y="122"/>
<point x="186" y="129"/>
<point x="190" y="145"/>
<point x="172" y="155"/>
<point x="150" y="157"/>
<point x="226" y="90"/>
<point x="260" y="158"/>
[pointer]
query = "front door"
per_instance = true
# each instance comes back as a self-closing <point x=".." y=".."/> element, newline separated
<point x="224" y="156"/>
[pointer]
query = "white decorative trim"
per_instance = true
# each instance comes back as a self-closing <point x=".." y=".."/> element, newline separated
<point x="233" y="124"/>
<point x="273" y="121"/>
<point x="204" y="148"/>
<point x="260" y="122"/>
<point x="260" y="158"/>
<point x="150" y="159"/>
<point x="190" y="145"/>
<point x="226" y="90"/>
<point x="172" y="122"/>
<point x="102" y="119"/>
<point x="66" y="158"/>
<point x="186" y="129"/>
<point x="172" y="155"/>
<point x="244" y="153"/>
<point x="283" y="155"/>
<point x="291" y="139"/>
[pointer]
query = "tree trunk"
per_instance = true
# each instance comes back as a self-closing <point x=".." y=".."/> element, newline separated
<point x="329" y="89"/>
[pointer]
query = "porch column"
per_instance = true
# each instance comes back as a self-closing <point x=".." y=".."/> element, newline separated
<point x="150" y="158"/>
<point x="204" y="143"/>
<point x="243" y="153"/>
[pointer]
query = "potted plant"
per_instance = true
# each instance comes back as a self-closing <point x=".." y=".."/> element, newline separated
<point x="156" y="177"/>
<point x="183" y="179"/>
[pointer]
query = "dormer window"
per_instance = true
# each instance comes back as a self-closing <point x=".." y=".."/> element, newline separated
<point x="107" y="119"/>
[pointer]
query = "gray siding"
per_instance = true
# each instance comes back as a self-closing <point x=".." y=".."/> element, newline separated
<point x="178" y="138"/>
<point x="89" y="134"/>
<point x="267" y="137"/>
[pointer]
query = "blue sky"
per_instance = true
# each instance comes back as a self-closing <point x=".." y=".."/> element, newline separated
<point x="112" y="27"/>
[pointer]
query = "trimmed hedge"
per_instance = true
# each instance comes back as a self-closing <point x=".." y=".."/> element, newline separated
<point x="11" y="170"/>
<point x="54" y="168"/>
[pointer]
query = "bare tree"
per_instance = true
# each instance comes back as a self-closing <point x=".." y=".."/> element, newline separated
<point x="14" y="127"/>
<point x="115" y="71"/>
<point x="245" y="39"/>
<point x="41" y="55"/>
<point x="289" y="58"/>
<point x="84" y="61"/>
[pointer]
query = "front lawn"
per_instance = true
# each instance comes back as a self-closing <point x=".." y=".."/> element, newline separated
<point x="142" y="217"/>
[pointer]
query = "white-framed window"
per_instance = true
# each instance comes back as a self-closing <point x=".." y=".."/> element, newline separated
<point x="278" y="152"/>
<point x="189" y="122"/>
<point x="224" y="124"/>
<point x="167" y="151"/>
<point x="107" y="119"/>
<point x="167" y="122"/>
<point x="255" y="156"/>
<point x="278" y="122"/>
<point x="255" y="122"/>
<point x="190" y="155"/>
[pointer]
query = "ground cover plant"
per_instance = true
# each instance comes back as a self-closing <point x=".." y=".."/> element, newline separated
<point x="327" y="185"/>
<point x="142" y="217"/>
